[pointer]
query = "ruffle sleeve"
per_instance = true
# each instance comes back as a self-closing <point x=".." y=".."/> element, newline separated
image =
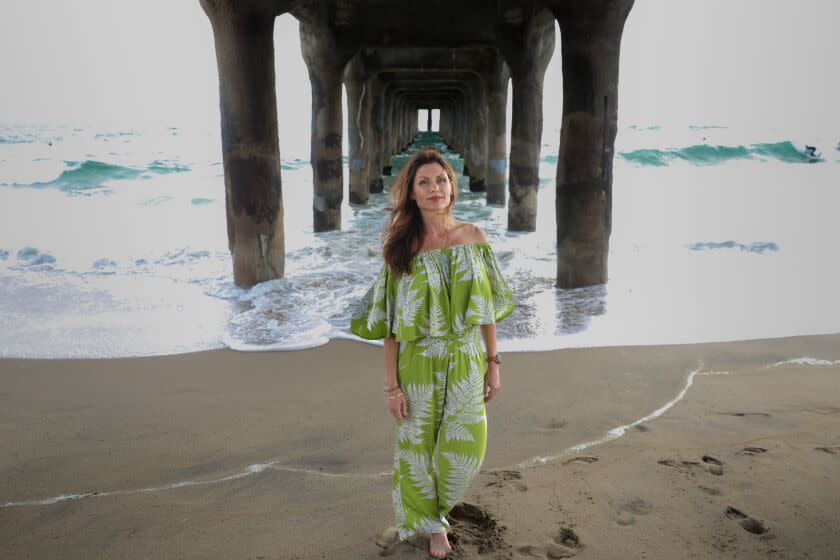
<point x="490" y="298"/>
<point x="373" y="318"/>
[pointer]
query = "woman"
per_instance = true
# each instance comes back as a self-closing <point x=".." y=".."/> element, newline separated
<point x="439" y="292"/>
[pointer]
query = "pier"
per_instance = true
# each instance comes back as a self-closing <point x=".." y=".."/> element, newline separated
<point x="396" y="59"/>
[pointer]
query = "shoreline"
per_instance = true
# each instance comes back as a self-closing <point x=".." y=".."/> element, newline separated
<point x="378" y="343"/>
<point x="152" y="441"/>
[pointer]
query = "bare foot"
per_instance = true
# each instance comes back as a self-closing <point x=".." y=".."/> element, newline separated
<point x="439" y="545"/>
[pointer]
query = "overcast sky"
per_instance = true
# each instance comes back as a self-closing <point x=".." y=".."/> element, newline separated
<point x="745" y="62"/>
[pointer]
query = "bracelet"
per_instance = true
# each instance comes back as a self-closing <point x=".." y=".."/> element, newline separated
<point x="395" y="396"/>
<point x="389" y="387"/>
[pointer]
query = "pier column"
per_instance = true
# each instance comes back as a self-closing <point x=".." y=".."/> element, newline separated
<point x="527" y="55"/>
<point x="250" y="148"/>
<point x="590" y="43"/>
<point x="375" y="138"/>
<point x="387" y="126"/>
<point x="497" y="88"/>
<point x="358" y="128"/>
<point x="325" y="62"/>
<point x="398" y="131"/>
<point x="478" y="135"/>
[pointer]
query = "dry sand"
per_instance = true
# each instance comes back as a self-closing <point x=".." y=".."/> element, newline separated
<point x="287" y="455"/>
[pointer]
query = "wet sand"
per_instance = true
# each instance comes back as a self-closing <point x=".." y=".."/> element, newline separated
<point x="694" y="451"/>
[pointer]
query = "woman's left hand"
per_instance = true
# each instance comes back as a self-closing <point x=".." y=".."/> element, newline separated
<point x="492" y="384"/>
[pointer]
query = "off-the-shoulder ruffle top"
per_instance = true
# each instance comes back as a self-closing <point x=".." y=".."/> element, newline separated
<point x="449" y="290"/>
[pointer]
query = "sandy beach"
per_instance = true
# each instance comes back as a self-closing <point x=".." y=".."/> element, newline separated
<point x="720" y="450"/>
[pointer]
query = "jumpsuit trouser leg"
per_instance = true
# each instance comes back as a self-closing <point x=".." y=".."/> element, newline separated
<point x="440" y="446"/>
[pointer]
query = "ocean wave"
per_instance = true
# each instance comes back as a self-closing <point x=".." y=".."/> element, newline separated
<point x="756" y="247"/>
<point x="116" y="134"/>
<point x="293" y="164"/>
<point x="94" y="176"/>
<point x="705" y="154"/>
<point x="32" y="256"/>
<point x="166" y="166"/>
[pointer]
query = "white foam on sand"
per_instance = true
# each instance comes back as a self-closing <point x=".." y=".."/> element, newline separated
<point x="616" y="433"/>
<point x="804" y="361"/>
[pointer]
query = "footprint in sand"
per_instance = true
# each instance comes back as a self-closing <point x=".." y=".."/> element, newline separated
<point x="678" y="463"/>
<point x="556" y="424"/>
<point x="743" y="414"/>
<point x="752" y="451"/>
<point x="625" y="511"/>
<point x="711" y="490"/>
<point x="835" y="450"/>
<point x="565" y="544"/>
<point x="580" y="459"/>
<point x="474" y="531"/>
<point x="713" y="464"/>
<point x="503" y="478"/>
<point x="750" y="524"/>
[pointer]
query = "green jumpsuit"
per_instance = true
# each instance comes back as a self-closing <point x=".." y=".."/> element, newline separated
<point x="435" y="313"/>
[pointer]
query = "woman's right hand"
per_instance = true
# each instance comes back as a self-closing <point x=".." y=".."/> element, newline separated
<point x="398" y="407"/>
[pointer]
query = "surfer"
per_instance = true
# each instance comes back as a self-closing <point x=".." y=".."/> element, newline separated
<point x="810" y="151"/>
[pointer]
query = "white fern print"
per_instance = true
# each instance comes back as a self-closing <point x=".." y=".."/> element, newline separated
<point x="463" y="266"/>
<point x="468" y="341"/>
<point x="419" y="401"/>
<point x="396" y="499"/>
<point x="432" y="347"/>
<point x="433" y="276"/>
<point x="444" y="271"/>
<point x="377" y="311"/>
<point x="408" y="302"/>
<point x="462" y="467"/>
<point x="480" y="308"/>
<point x="418" y="472"/>
<point x="458" y="323"/>
<point x="428" y="524"/>
<point x="440" y="379"/>
<point x="437" y="318"/>
<point x="463" y="409"/>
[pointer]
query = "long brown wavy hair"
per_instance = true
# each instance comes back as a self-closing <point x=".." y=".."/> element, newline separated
<point x="403" y="234"/>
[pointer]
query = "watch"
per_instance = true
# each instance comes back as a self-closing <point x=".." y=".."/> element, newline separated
<point x="495" y="358"/>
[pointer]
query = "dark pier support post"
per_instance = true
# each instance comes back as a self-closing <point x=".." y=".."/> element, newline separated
<point x="387" y="125"/>
<point x="591" y="40"/>
<point x="325" y="62"/>
<point x="244" y="43"/>
<point x="395" y="147"/>
<point x="375" y="137"/>
<point x="478" y="135"/>
<point x="497" y="86"/>
<point x="429" y="119"/>
<point x="409" y="123"/>
<point x="527" y="57"/>
<point x="358" y="128"/>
